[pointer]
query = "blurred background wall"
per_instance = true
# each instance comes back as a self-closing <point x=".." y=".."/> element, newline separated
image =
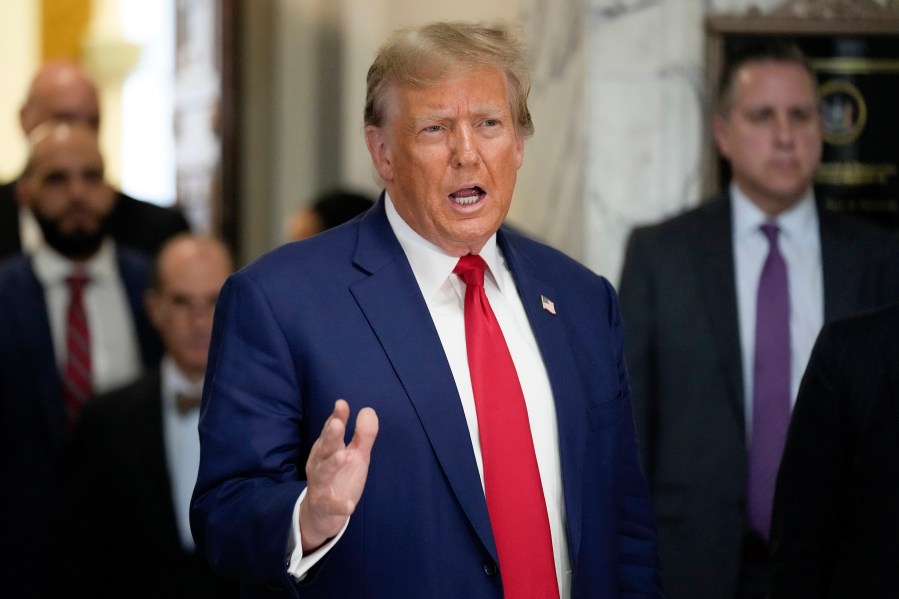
<point x="617" y="97"/>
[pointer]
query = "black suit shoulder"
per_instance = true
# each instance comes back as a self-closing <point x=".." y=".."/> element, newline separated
<point x="144" y="226"/>
<point x="708" y="218"/>
<point x="879" y="324"/>
<point x="119" y="407"/>
<point x="862" y="339"/>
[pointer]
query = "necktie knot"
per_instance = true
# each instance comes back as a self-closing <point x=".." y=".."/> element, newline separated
<point x="471" y="269"/>
<point x="771" y="231"/>
<point x="77" y="281"/>
<point x="187" y="402"/>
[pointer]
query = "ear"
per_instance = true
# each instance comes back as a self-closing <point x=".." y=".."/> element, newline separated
<point x="721" y="132"/>
<point x="24" y="121"/>
<point x="519" y="150"/>
<point x="379" y="148"/>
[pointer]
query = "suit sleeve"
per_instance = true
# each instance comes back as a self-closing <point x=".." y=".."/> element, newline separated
<point x="638" y="558"/>
<point x="637" y="307"/>
<point x="808" y="502"/>
<point x="250" y="439"/>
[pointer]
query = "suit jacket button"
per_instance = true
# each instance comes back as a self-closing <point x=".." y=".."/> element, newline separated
<point x="490" y="569"/>
<point x="275" y="587"/>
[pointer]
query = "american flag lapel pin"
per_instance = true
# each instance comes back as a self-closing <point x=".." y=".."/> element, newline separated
<point x="547" y="304"/>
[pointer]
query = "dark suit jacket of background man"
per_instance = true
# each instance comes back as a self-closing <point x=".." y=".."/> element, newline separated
<point x="835" y="530"/>
<point x="682" y="341"/>
<point x="32" y="429"/>
<point x="140" y="225"/>
<point x="340" y="315"/>
<point x="118" y="513"/>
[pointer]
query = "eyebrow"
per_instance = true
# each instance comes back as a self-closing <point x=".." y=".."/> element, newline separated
<point x="477" y="112"/>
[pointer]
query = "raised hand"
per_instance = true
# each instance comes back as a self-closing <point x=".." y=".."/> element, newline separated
<point x="335" y="474"/>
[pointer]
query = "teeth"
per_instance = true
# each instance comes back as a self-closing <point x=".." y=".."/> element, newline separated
<point x="468" y="200"/>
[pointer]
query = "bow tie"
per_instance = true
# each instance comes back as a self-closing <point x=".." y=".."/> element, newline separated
<point x="187" y="402"/>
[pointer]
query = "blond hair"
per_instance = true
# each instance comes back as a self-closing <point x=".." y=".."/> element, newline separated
<point x="421" y="56"/>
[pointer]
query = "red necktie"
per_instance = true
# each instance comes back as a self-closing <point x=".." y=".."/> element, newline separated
<point x="77" y="387"/>
<point x="515" y="499"/>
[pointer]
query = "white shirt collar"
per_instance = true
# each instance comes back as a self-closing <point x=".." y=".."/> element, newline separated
<point x="798" y="222"/>
<point x="52" y="268"/>
<point x="430" y="264"/>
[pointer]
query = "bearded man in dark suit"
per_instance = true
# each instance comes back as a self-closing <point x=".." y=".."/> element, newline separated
<point x="72" y="324"/>
<point x="63" y="91"/>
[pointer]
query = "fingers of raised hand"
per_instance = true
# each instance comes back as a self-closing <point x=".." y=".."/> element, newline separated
<point x="336" y="472"/>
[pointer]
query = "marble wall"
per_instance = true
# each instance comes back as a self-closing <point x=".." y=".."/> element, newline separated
<point x="620" y="84"/>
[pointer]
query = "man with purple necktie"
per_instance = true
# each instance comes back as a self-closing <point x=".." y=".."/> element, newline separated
<point x="722" y="306"/>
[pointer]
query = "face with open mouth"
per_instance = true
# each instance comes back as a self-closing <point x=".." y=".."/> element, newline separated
<point x="449" y="154"/>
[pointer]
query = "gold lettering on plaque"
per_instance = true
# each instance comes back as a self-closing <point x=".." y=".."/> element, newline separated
<point x="855" y="173"/>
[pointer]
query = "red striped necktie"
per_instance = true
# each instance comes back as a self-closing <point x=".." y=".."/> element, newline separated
<point x="77" y="386"/>
<point x="515" y="499"/>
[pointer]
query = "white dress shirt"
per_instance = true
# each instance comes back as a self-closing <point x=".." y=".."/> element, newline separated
<point x="182" y="444"/>
<point x="444" y="295"/>
<point x="30" y="235"/>
<point x="800" y="245"/>
<point x="115" y="353"/>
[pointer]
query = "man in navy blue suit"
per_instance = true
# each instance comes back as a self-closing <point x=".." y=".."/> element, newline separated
<point x="370" y="318"/>
<point x="64" y="185"/>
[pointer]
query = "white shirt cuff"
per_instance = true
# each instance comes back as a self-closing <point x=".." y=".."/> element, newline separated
<point x="298" y="564"/>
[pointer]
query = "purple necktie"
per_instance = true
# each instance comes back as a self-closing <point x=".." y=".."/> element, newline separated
<point x="770" y="384"/>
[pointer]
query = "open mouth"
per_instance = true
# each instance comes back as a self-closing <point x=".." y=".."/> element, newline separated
<point x="467" y="195"/>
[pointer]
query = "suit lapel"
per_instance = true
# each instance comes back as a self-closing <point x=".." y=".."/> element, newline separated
<point x="713" y="266"/>
<point x="150" y="453"/>
<point x="569" y="396"/>
<point x="33" y="330"/>
<point x="392" y="303"/>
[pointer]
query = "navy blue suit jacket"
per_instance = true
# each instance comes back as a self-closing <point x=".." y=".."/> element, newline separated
<point x="341" y="316"/>
<point x="32" y="415"/>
